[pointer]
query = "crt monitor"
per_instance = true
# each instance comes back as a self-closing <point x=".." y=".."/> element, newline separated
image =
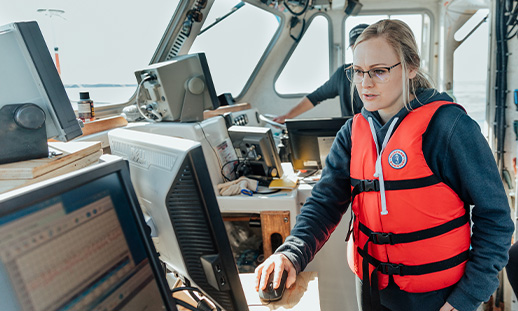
<point x="311" y="140"/>
<point x="78" y="242"/>
<point x="177" y="90"/>
<point x="174" y="188"/>
<point x="256" y="147"/>
<point x="34" y="106"/>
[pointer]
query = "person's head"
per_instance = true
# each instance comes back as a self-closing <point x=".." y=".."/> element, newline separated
<point x="355" y="32"/>
<point x="390" y="46"/>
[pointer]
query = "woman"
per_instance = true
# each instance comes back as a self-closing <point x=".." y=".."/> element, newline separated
<point x="411" y="164"/>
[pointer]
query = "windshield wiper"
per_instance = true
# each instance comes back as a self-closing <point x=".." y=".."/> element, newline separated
<point x="219" y="19"/>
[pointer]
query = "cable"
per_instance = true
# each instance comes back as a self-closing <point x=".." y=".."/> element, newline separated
<point x="157" y="115"/>
<point x="212" y="148"/>
<point x="296" y="13"/>
<point x="193" y="296"/>
<point x="301" y="31"/>
<point x="185" y="304"/>
<point x="268" y="192"/>
<point x="183" y="288"/>
<point x="147" y="77"/>
<point x="202" y="303"/>
<point x="233" y="170"/>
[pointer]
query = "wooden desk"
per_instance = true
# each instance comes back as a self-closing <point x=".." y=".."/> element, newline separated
<point x="302" y="296"/>
<point x="75" y="155"/>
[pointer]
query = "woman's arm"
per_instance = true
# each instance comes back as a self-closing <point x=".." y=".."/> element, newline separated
<point x="459" y="154"/>
<point x="322" y="211"/>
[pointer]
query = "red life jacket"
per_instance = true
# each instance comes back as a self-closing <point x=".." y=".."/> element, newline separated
<point x="424" y="239"/>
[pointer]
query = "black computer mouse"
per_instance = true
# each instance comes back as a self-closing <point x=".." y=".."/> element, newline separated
<point x="271" y="294"/>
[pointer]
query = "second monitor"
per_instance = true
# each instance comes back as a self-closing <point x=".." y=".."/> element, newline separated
<point x="311" y="140"/>
<point x="173" y="186"/>
<point x="256" y="146"/>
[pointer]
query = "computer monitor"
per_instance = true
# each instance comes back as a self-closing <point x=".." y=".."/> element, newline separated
<point x="34" y="106"/>
<point x="177" y="90"/>
<point x="257" y="147"/>
<point x="173" y="186"/>
<point x="311" y="140"/>
<point x="78" y="242"/>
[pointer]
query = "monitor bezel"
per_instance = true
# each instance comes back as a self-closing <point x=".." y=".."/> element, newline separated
<point x="18" y="200"/>
<point x="61" y="121"/>
<point x="314" y="128"/>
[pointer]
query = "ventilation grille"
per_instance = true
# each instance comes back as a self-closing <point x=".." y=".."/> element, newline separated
<point x="192" y="229"/>
<point x="180" y="39"/>
<point x="177" y="46"/>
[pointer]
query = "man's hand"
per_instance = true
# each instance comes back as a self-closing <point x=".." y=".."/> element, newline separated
<point x="280" y="119"/>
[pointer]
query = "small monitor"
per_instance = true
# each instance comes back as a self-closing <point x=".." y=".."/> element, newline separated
<point x="174" y="188"/>
<point x="311" y="140"/>
<point x="177" y="90"/>
<point x="78" y="242"/>
<point x="34" y="106"/>
<point x="256" y="146"/>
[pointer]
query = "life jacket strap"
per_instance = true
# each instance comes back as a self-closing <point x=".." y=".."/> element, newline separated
<point x="370" y="297"/>
<point x="398" y="238"/>
<point x="402" y="270"/>
<point x="366" y="185"/>
<point x="370" y="291"/>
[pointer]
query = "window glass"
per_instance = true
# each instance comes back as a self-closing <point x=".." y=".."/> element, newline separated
<point x="100" y="43"/>
<point x="235" y="45"/>
<point x="415" y="21"/>
<point x="308" y="66"/>
<point x="470" y="68"/>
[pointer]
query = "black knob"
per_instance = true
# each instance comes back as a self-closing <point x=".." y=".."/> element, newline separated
<point x="29" y="116"/>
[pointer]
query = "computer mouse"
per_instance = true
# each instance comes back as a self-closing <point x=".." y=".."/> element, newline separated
<point x="271" y="294"/>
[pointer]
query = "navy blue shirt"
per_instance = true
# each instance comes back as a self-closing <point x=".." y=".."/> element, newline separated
<point x="338" y="85"/>
<point x="456" y="152"/>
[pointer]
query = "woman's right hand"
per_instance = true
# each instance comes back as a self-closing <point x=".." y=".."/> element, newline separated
<point x="276" y="264"/>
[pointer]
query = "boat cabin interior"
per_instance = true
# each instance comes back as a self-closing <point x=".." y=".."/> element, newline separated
<point x="142" y="165"/>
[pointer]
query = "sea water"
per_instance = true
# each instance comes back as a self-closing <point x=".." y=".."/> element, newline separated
<point x="470" y="94"/>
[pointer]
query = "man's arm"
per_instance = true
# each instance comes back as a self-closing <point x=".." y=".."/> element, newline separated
<point x="304" y="105"/>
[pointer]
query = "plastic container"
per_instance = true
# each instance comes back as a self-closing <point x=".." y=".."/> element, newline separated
<point x="85" y="107"/>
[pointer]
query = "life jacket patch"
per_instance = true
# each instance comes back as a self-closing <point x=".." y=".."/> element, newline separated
<point x="397" y="159"/>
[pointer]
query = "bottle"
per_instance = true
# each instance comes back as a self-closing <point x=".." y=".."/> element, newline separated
<point x="85" y="107"/>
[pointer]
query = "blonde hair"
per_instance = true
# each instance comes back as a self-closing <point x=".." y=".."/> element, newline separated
<point x="401" y="38"/>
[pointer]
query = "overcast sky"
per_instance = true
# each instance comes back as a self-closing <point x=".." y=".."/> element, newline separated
<point x="106" y="41"/>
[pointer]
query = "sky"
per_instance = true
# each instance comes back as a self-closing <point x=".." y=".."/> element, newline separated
<point x="98" y="41"/>
<point x="107" y="41"/>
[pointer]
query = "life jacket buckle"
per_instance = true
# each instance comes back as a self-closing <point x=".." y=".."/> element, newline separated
<point x="370" y="185"/>
<point x="390" y="268"/>
<point x="382" y="238"/>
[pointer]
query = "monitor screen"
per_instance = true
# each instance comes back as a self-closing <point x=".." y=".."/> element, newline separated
<point x="311" y="140"/>
<point x="174" y="188"/>
<point x="77" y="242"/>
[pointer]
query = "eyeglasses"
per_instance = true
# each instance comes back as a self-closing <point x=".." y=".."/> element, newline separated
<point x="378" y="74"/>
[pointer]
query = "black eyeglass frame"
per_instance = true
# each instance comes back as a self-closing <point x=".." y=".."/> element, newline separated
<point x="368" y="71"/>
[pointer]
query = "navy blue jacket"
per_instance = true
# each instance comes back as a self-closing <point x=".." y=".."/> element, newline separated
<point x="338" y="85"/>
<point x="459" y="155"/>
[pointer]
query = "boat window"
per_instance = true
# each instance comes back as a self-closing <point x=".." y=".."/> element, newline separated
<point x="235" y="46"/>
<point x="470" y="68"/>
<point x="419" y="23"/>
<point x="308" y="66"/>
<point x="100" y="43"/>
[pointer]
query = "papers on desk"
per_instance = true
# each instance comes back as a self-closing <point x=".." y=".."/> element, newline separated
<point x="288" y="181"/>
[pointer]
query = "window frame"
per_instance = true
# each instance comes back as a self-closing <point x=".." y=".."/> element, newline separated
<point x="294" y="47"/>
